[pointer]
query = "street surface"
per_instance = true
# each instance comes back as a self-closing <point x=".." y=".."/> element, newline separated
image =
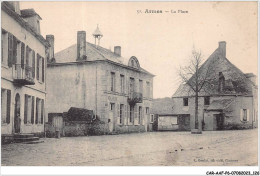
<point x="212" y="148"/>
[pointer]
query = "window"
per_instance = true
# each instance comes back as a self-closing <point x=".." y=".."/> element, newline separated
<point x="22" y="54"/>
<point x="28" y="109"/>
<point x="113" y="81"/>
<point x="112" y="106"/>
<point x="147" y="110"/>
<point x="132" y="63"/>
<point x="140" y="114"/>
<point x="244" y="115"/>
<point x="33" y="63"/>
<point x="185" y="102"/>
<point x="39" y="111"/>
<point x="121" y="113"/>
<point x="132" y="85"/>
<point x="43" y="66"/>
<point x="151" y="118"/>
<point x="122" y="83"/>
<point x="148" y="89"/>
<point x="206" y="100"/>
<point x="4" y="46"/>
<point x="140" y="86"/>
<point x="38" y="67"/>
<point x="131" y="114"/>
<point x="5" y="105"/>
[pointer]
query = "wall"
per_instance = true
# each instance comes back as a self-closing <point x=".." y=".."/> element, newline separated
<point x="88" y="86"/>
<point x="37" y="90"/>
<point x="232" y="118"/>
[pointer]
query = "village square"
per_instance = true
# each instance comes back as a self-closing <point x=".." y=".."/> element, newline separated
<point x="88" y="105"/>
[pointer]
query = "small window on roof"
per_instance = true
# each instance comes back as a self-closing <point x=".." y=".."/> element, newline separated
<point x="133" y="62"/>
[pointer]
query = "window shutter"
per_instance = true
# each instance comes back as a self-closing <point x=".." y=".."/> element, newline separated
<point x="135" y="115"/>
<point x="8" y="106"/>
<point x="22" y="55"/>
<point x="14" y="50"/>
<point x="33" y="64"/>
<point x="32" y="115"/>
<point x="27" y="56"/>
<point x="25" y="108"/>
<point x="38" y="70"/>
<point x="125" y="115"/>
<point x="10" y="49"/>
<point x="42" y="111"/>
<point x="241" y="114"/>
<point x="118" y="113"/>
<point x="247" y="114"/>
<point x="43" y="66"/>
<point x="37" y="111"/>
<point x="128" y="114"/>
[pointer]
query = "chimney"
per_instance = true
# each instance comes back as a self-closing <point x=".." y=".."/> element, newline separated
<point x="15" y="6"/>
<point x="117" y="50"/>
<point x="32" y="18"/>
<point x="222" y="48"/>
<point x="81" y="45"/>
<point x="50" y="39"/>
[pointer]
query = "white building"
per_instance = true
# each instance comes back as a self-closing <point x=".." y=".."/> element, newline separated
<point x="23" y="65"/>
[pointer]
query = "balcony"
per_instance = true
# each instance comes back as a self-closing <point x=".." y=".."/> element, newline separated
<point x="135" y="97"/>
<point x="22" y="75"/>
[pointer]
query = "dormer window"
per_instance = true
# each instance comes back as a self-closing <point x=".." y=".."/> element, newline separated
<point x="133" y="62"/>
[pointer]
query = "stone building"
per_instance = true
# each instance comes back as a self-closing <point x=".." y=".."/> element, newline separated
<point x="23" y="70"/>
<point x="164" y="119"/>
<point x="85" y="75"/>
<point x="227" y="101"/>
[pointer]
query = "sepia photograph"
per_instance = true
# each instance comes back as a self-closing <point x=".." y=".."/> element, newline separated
<point x="90" y="83"/>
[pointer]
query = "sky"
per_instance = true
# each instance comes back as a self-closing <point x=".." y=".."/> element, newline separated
<point x="162" y="42"/>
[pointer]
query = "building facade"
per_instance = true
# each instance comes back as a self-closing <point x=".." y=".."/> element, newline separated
<point x="227" y="101"/>
<point x="23" y="66"/>
<point x="89" y="76"/>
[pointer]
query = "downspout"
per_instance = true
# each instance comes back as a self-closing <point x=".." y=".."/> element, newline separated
<point x="96" y="95"/>
<point x="253" y="108"/>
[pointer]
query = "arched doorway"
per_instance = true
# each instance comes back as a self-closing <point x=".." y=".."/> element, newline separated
<point x="17" y="118"/>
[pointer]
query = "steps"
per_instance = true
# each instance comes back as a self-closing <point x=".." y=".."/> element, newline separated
<point x="25" y="138"/>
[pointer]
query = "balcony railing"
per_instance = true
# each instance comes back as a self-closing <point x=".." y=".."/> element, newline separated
<point x="135" y="97"/>
<point x="23" y="75"/>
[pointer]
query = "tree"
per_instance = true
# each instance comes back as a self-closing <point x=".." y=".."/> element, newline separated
<point x="197" y="78"/>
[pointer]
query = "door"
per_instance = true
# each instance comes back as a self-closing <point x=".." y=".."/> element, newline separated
<point x="218" y="122"/>
<point x="17" y="118"/>
<point x="111" y="120"/>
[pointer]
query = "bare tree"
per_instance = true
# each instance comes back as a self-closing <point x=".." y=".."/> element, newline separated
<point x="197" y="78"/>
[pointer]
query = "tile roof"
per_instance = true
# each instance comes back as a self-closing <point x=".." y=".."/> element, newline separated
<point x="28" y="13"/>
<point x="235" y="80"/>
<point x="162" y="106"/>
<point x="6" y="7"/>
<point x="93" y="53"/>
<point x="220" y="104"/>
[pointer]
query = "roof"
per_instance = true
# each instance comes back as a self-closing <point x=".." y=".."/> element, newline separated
<point x="5" y="7"/>
<point x="94" y="53"/>
<point x="162" y="106"/>
<point x="220" y="104"/>
<point x="29" y="13"/>
<point x="236" y="83"/>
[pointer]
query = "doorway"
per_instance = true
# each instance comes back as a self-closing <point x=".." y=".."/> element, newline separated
<point x="111" y="120"/>
<point x="17" y="118"/>
<point x="218" y="122"/>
